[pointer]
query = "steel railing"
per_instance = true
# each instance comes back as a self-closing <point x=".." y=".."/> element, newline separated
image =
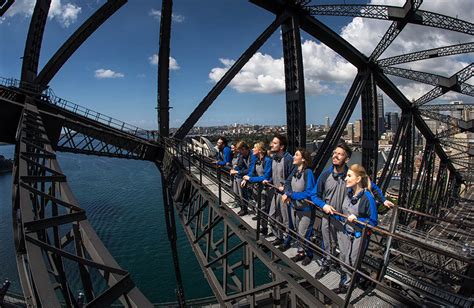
<point x="48" y="96"/>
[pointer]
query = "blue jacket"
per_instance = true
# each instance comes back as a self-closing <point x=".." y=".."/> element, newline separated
<point x="367" y="208"/>
<point x="224" y="157"/>
<point x="267" y="171"/>
<point x="241" y="168"/>
<point x="318" y="191"/>
<point x="310" y="184"/>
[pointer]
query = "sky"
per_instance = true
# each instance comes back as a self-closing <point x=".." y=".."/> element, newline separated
<point x="115" y="71"/>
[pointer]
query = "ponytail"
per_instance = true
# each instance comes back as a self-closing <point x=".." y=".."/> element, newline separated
<point x="359" y="170"/>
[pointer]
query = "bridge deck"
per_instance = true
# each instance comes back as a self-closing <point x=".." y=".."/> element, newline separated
<point x="359" y="297"/>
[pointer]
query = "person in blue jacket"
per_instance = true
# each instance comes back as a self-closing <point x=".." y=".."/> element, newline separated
<point x="241" y="168"/>
<point x="259" y="171"/>
<point x="329" y="194"/>
<point x="224" y="153"/>
<point x="301" y="183"/>
<point x="359" y="203"/>
<point x="282" y="167"/>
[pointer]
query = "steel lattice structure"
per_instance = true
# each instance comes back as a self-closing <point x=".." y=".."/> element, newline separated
<point x="416" y="246"/>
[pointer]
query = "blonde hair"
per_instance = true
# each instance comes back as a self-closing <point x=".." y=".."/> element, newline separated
<point x="241" y="144"/>
<point x="359" y="170"/>
<point x="260" y="146"/>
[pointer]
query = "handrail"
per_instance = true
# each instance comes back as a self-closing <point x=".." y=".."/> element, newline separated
<point x="48" y="96"/>
<point x="192" y="156"/>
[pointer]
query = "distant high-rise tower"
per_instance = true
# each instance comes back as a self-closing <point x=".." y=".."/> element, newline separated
<point x="357" y="131"/>
<point x="327" y="124"/>
<point x="350" y="132"/>
<point x="458" y="112"/>
<point x="394" y="121"/>
<point x="381" y="120"/>
<point x="387" y="121"/>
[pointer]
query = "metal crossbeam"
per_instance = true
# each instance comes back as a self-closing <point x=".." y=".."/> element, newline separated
<point x="395" y="14"/>
<point x="227" y="78"/>
<point x="428" y="54"/>
<point x="76" y="40"/>
<point x="31" y="54"/>
<point x="340" y="123"/>
<point x="451" y="121"/>
<point x="370" y="127"/>
<point x="294" y="85"/>
<point x="44" y="204"/>
<point x="448" y="107"/>
<point x="5" y="5"/>
<point x="428" y="78"/>
<point x="460" y="77"/>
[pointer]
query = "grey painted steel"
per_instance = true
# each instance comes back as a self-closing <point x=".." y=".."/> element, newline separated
<point x="370" y="127"/>
<point x="163" y="68"/>
<point x="394" y="93"/>
<point x="403" y="14"/>
<point x="224" y="248"/>
<point x="5" y="5"/>
<point x="340" y="123"/>
<point x="167" y="176"/>
<point x="76" y="40"/>
<point x="428" y="54"/>
<point x="432" y="79"/>
<point x="319" y="30"/>
<point x="227" y="78"/>
<point x="456" y="83"/>
<point x="31" y="54"/>
<point x="40" y="248"/>
<point x="294" y="84"/>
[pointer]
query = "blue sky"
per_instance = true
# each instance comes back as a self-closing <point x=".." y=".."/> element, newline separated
<point x="113" y="71"/>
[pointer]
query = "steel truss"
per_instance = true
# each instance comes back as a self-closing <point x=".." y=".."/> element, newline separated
<point x="51" y="231"/>
<point x="5" y="5"/>
<point x="294" y="84"/>
<point x="77" y="138"/>
<point x="370" y="127"/>
<point x="409" y="13"/>
<point x="188" y="194"/>
<point x="450" y="121"/>
<point x="229" y="253"/>
<point x="231" y="257"/>
<point x="455" y="83"/>
<point x="427" y="54"/>
<point x="74" y="42"/>
<point x="229" y="249"/>
<point x="342" y="118"/>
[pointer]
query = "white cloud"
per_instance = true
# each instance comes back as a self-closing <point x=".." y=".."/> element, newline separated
<point x="106" y="73"/>
<point x="66" y="14"/>
<point x="173" y="63"/>
<point x="265" y="74"/>
<point x="327" y="72"/>
<point x="153" y="59"/>
<point x="364" y="34"/>
<point x="174" y="17"/>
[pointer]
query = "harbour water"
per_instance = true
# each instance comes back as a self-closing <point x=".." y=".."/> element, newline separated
<point x="123" y="202"/>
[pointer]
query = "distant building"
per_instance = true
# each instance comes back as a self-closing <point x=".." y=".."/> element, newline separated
<point x="357" y="131"/>
<point x="458" y="112"/>
<point x="387" y="121"/>
<point x="350" y="132"/>
<point x="381" y="120"/>
<point x="394" y="121"/>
